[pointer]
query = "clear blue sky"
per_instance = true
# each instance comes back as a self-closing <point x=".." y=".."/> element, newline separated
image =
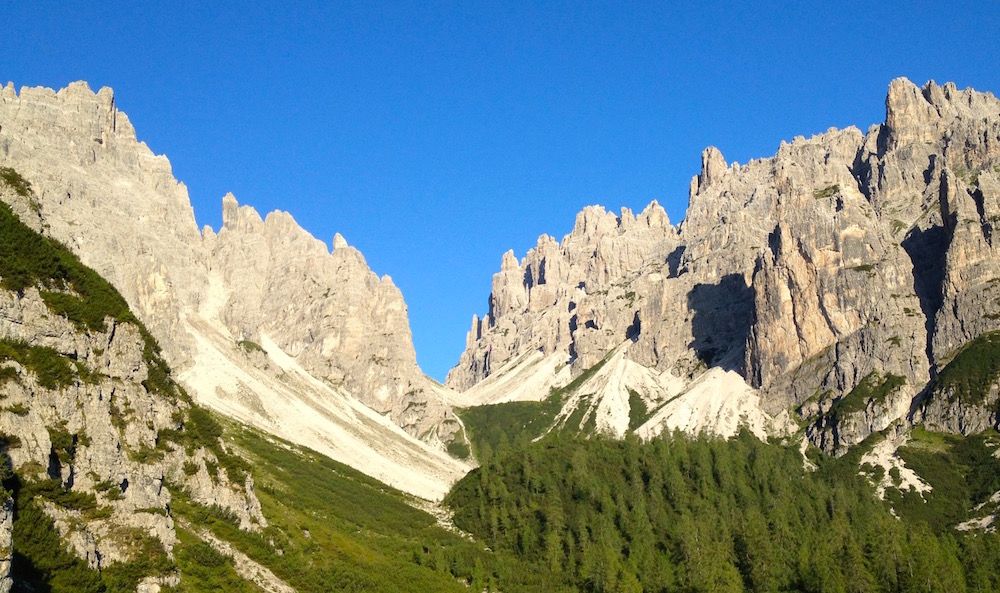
<point x="435" y="136"/>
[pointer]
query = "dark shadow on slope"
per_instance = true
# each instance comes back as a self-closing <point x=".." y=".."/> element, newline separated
<point x="927" y="249"/>
<point x="572" y="342"/>
<point x="632" y="332"/>
<point x="723" y="314"/>
<point x="674" y="261"/>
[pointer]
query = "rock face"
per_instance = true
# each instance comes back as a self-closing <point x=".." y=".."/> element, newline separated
<point x="260" y="320"/>
<point x="580" y="296"/>
<point x="88" y="410"/>
<point x="849" y="266"/>
<point x="351" y="329"/>
<point x="6" y="544"/>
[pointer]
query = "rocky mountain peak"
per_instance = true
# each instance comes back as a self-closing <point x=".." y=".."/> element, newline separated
<point x="713" y="166"/>
<point x="906" y="106"/>
<point x="339" y="242"/>
<point x="654" y="216"/>
<point x="919" y="115"/>
<point x="508" y="261"/>
<point x="260" y="319"/>
<point x="594" y="221"/>
<point x="845" y="264"/>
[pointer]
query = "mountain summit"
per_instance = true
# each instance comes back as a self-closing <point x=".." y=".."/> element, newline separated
<point x="260" y="320"/>
<point x="836" y="279"/>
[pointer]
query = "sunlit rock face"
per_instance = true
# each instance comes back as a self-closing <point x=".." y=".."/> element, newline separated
<point x="847" y="259"/>
<point x="88" y="406"/>
<point x="260" y="320"/>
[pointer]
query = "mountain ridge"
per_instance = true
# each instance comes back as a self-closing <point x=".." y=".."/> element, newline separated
<point x="771" y="276"/>
<point x="839" y="296"/>
<point x="780" y="268"/>
<point x="212" y="299"/>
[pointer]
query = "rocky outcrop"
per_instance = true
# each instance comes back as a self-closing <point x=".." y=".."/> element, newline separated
<point x="104" y="193"/>
<point x="350" y="328"/>
<point x="947" y="413"/>
<point x="580" y="295"/>
<point x="226" y="306"/>
<point x="89" y="411"/>
<point x="842" y="257"/>
<point x="6" y="544"/>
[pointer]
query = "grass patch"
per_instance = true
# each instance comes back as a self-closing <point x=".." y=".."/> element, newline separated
<point x="582" y="414"/>
<point x="203" y="568"/>
<point x="249" y="346"/>
<point x="638" y="411"/>
<point x="519" y="422"/>
<point x="827" y="192"/>
<point x="331" y="528"/>
<point x="508" y="422"/>
<point x="971" y="372"/>
<point x="873" y="388"/>
<point x="202" y="429"/>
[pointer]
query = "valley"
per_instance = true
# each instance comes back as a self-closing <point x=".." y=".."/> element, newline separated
<point x="795" y="388"/>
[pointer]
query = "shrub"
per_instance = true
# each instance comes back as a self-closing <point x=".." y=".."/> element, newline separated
<point x="63" y="444"/>
<point x="827" y="192"/>
<point x="458" y="448"/>
<point x="249" y="346"/>
<point x="873" y="388"/>
<point x="969" y="375"/>
<point x="13" y="179"/>
<point x="51" y="369"/>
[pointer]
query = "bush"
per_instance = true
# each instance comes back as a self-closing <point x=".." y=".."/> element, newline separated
<point x="13" y="179"/>
<point x="41" y="561"/>
<point x="873" y="388"/>
<point x="458" y="448"/>
<point x="63" y="444"/>
<point x="51" y="369"/>
<point x="972" y="371"/>
<point x="249" y="346"/>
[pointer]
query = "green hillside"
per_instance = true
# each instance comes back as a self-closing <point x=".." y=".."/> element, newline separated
<point x="682" y="514"/>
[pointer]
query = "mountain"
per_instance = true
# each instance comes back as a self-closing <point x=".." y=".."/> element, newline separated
<point x="835" y="280"/>
<point x="95" y="433"/>
<point x="335" y="372"/>
<point x="113" y="480"/>
<point x="796" y="388"/>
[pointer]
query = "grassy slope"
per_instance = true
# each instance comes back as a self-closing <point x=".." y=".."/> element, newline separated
<point x="962" y="472"/>
<point x="970" y="373"/>
<point x="332" y="528"/>
<point x="499" y="425"/>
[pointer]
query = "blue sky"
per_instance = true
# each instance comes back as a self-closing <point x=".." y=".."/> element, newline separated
<point x="435" y="136"/>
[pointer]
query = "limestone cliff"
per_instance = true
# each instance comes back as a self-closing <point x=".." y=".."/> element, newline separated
<point x="260" y="320"/>
<point x="93" y="428"/>
<point x="837" y="277"/>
